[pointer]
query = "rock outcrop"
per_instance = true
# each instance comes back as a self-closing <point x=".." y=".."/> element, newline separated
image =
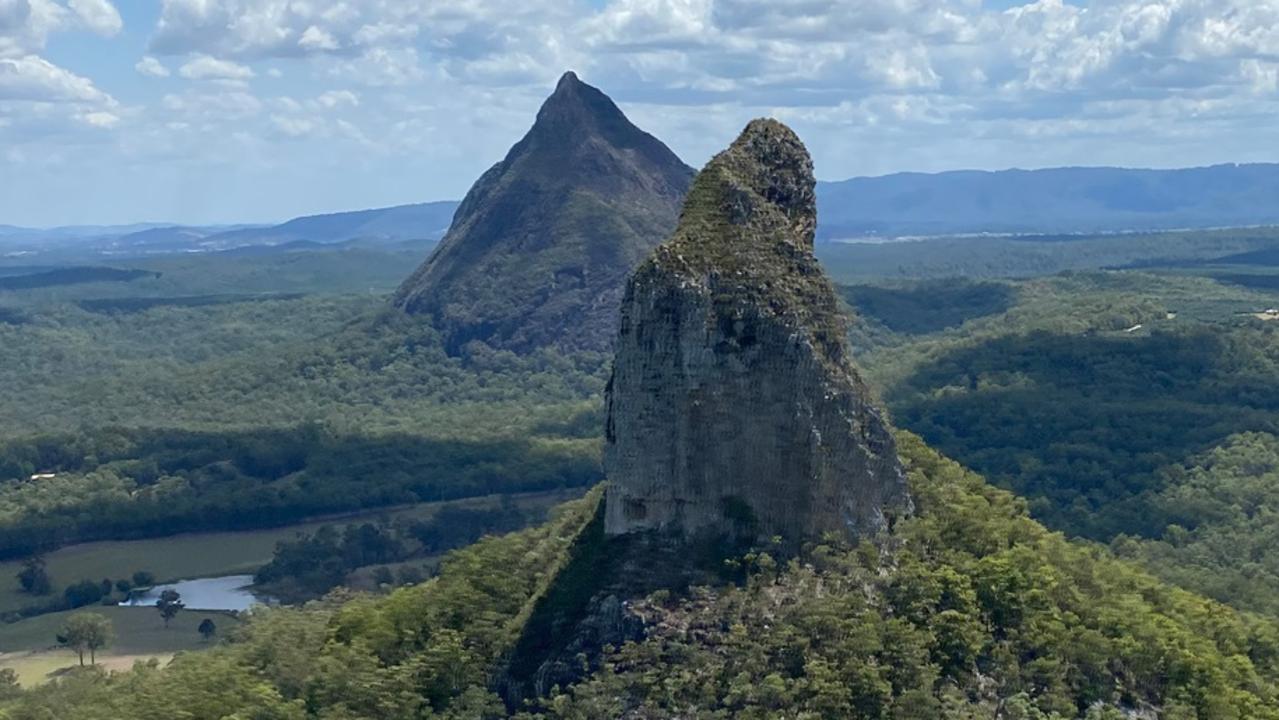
<point x="734" y="407"/>
<point x="540" y="249"/>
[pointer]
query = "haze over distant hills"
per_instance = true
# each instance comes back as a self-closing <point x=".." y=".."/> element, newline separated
<point x="422" y="222"/>
<point x="1049" y="201"/>
<point x="1056" y="200"/>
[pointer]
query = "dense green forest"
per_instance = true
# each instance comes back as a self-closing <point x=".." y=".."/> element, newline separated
<point x="132" y="484"/>
<point x="146" y="414"/>
<point x="1222" y="536"/>
<point x="193" y="401"/>
<point x="1102" y="399"/>
<point x="978" y="610"/>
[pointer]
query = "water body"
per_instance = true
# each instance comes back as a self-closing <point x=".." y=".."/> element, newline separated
<point x="220" y="593"/>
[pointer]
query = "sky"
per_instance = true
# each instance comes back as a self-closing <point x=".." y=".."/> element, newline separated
<point x="223" y="111"/>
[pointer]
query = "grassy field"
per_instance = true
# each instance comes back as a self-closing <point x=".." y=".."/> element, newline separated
<point x="199" y="555"/>
<point x="29" y="647"/>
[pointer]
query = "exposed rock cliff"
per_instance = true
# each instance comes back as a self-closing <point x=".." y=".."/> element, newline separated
<point x="734" y="407"/>
<point x="540" y="248"/>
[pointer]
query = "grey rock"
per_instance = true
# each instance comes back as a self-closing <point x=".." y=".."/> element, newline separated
<point x="734" y="407"/>
<point x="540" y="249"/>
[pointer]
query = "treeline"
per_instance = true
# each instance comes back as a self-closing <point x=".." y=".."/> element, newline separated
<point x="1125" y="407"/>
<point x="142" y="304"/>
<point x="123" y="484"/>
<point x="314" y="564"/>
<point x="1222" y="533"/>
<point x="344" y="362"/>
<point x="1032" y="255"/>
<point x="1082" y="424"/>
<point x="72" y="276"/>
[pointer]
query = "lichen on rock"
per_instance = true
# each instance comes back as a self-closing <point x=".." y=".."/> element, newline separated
<point x="734" y="406"/>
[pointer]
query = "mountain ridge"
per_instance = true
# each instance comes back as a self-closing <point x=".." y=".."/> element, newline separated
<point x="540" y="247"/>
<point x="1049" y="200"/>
<point x="952" y="202"/>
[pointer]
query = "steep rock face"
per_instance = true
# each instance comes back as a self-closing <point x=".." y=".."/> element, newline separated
<point x="540" y="248"/>
<point x="734" y="407"/>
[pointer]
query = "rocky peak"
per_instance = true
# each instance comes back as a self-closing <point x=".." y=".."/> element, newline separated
<point x="540" y="248"/>
<point x="734" y="407"/>
<point x="576" y="105"/>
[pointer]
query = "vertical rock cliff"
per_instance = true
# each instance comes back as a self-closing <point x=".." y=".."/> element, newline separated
<point x="734" y="407"/>
<point x="540" y="249"/>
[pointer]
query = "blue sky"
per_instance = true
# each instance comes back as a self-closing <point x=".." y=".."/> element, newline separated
<point x="208" y="111"/>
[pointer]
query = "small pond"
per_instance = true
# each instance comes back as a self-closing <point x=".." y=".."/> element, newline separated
<point x="220" y="593"/>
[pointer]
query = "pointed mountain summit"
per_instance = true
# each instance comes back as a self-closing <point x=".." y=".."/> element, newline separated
<point x="734" y="407"/>
<point x="540" y="249"/>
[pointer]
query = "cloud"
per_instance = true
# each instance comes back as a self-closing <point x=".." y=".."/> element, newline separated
<point x="100" y="16"/>
<point x="204" y="67"/>
<point x="25" y="25"/>
<point x="500" y="41"/>
<point x="199" y="106"/>
<point x="336" y="98"/>
<point x="37" y="97"/>
<point x="873" y="85"/>
<point x="100" y="119"/>
<point x="315" y="39"/>
<point x="33" y="78"/>
<point x="294" y="126"/>
<point x="151" y="67"/>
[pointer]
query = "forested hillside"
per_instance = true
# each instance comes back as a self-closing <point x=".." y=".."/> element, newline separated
<point x="1122" y="406"/>
<point x="977" y="610"/>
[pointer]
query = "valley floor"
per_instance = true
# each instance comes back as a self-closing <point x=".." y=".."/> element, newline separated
<point x="30" y="647"/>
<point x="27" y="645"/>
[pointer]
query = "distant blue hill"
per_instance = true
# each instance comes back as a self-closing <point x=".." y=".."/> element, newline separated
<point x="403" y="225"/>
<point x="1058" y="200"/>
<point x="423" y="221"/>
<point x="1051" y="201"/>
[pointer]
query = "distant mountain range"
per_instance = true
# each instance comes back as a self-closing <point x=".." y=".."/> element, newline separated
<point x="1058" y="200"/>
<point x="424" y="223"/>
<point x="1051" y="201"/>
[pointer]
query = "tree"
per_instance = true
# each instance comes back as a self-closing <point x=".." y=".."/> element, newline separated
<point x="207" y="629"/>
<point x="85" y="592"/>
<point x="87" y="631"/>
<point x="34" y="577"/>
<point x="124" y="585"/>
<point x="142" y="579"/>
<point x="169" y="604"/>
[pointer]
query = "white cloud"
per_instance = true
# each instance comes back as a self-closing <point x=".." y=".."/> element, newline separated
<point x="151" y="67"/>
<point x="26" y="24"/>
<point x="336" y="98"/>
<point x="100" y="16"/>
<point x="204" y="67"/>
<point x="904" y="69"/>
<point x="33" y="78"/>
<point x="867" y="83"/>
<point x="294" y="126"/>
<point x="315" y="39"/>
<point x="100" y="119"/>
<point x="1263" y="77"/>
